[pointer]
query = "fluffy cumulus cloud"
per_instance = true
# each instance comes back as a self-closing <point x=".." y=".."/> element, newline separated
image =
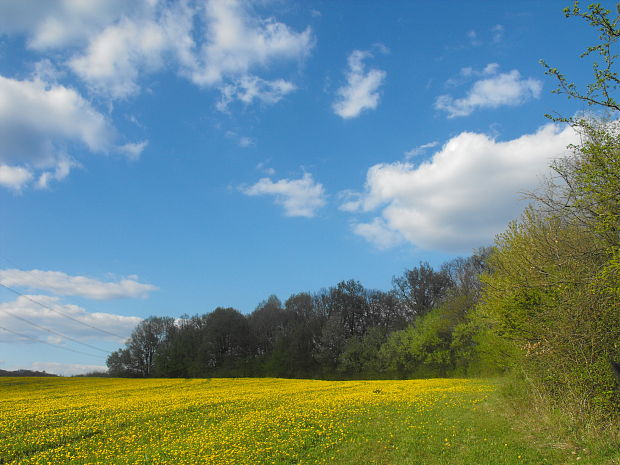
<point x="14" y="177"/>
<point x="460" y="198"/>
<point x="53" y="315"/>
<point x="492" y="90"/>
<point x="39" y="125"/>
<point x="361" y="91"/>
<point x="111" y="44"/>
<point x="59" y="23"/>
<point x="299" y="197"/>
<point x="114" y="58"/>
<point x="62" y="284"/>
<point x="237" y="41"/>
<point x="377" y="232"/>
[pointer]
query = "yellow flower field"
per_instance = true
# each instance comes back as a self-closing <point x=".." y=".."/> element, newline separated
<point x="220" y="421"/>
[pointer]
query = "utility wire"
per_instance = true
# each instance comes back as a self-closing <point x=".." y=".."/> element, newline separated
<point x="45" y="342"/>
<point x="51" y="331"/>
<point x="61" y="313"/>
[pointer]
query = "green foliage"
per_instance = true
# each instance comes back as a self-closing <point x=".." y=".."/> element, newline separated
<point x="605" y="79"/>
<point x="428" y="347"/>
<point x="360" y="357"/>
<point x="542" y="301"/>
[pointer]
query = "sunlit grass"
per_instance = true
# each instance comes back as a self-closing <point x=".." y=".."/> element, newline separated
<point x="256" y="421"/>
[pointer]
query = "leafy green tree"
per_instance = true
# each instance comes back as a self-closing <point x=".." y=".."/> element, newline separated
<point x="360" y="356"/>
<point x="541" y="298"/>
<point x="226" y="339"/>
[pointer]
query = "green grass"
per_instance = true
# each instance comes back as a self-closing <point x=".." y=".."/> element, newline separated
<point x="453" y="435"/>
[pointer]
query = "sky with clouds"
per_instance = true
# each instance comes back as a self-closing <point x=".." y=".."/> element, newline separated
<point x="168" y="157"/>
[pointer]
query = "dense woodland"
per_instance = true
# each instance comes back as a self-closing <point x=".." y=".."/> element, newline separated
<point x="343" y="331"/>
<point x="542" y="304"/>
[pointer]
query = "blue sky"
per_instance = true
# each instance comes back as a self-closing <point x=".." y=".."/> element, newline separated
<point x="169" y="157"/>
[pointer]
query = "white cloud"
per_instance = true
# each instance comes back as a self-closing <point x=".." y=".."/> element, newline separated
<point x="472" y="35"/>
<point x="491" y="92"/>
<point x="55" y="319"/>
<point x="262" y="166"/>
<point x="246" y="142"/>
<point x="39" y="123"/>
<point x="498" y="33"/>
<point x="112" y="44"/>
<point x="66" y="369"/>
<point x="60" y="23"/>
<point x="299" y="197"/>
<point x="250" y="88"/>
<point x="242" y="141"/>
<point x="378" y="233"/>
<point x="61" y="171"/>
<point x="35" y="115"/>
<point x="236" y="42"/>
<point x="351" y="201"/>
<point x="115" y="58"/>
<point x="14" y="177"/>
<point x="133" y="150"/>
<point x="61" y="283"/>
<point x="464" y="195"/>
<point x="420" y="149"/>
<point x="362" y="89"/>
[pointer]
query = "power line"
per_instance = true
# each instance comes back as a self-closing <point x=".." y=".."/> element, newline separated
<point x="51" y="331"/>
<point x="45" y="342"/>
<point x="61" y="313"/>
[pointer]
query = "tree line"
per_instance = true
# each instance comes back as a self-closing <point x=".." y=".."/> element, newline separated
<point x="343" y="331"/>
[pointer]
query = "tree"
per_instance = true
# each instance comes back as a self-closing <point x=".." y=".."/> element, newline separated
<point x="551" y="296"/>
<point x="138" y="357"/>
<point x="600" y="91"/>
<point x="226" y="339"/>
<point x="541" y="297"/>
<point x="179" y="355"/>
<point x="422" y="288"/>
<point x="268" y="322"/>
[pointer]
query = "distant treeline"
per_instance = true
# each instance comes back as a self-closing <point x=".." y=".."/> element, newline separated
<point x="341" y="332"/>
<point x="25" y="373"/>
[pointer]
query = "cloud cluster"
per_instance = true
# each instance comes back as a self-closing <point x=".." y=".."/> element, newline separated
<point x="67" y="369"/>
<point x="361" y="91"/>
<point x="252" y="88"/>
<point x="494" y="90"/>
<point x="299" y="197"/>
<point x="62" y="284"/>
<point x="53" y="319"/>
<point x="61" y="23"/>
<point x="39" y="124"/>
<point x="236" y="42"/>
<point x="460" y="198"/>
<point x="110" y="45"/>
